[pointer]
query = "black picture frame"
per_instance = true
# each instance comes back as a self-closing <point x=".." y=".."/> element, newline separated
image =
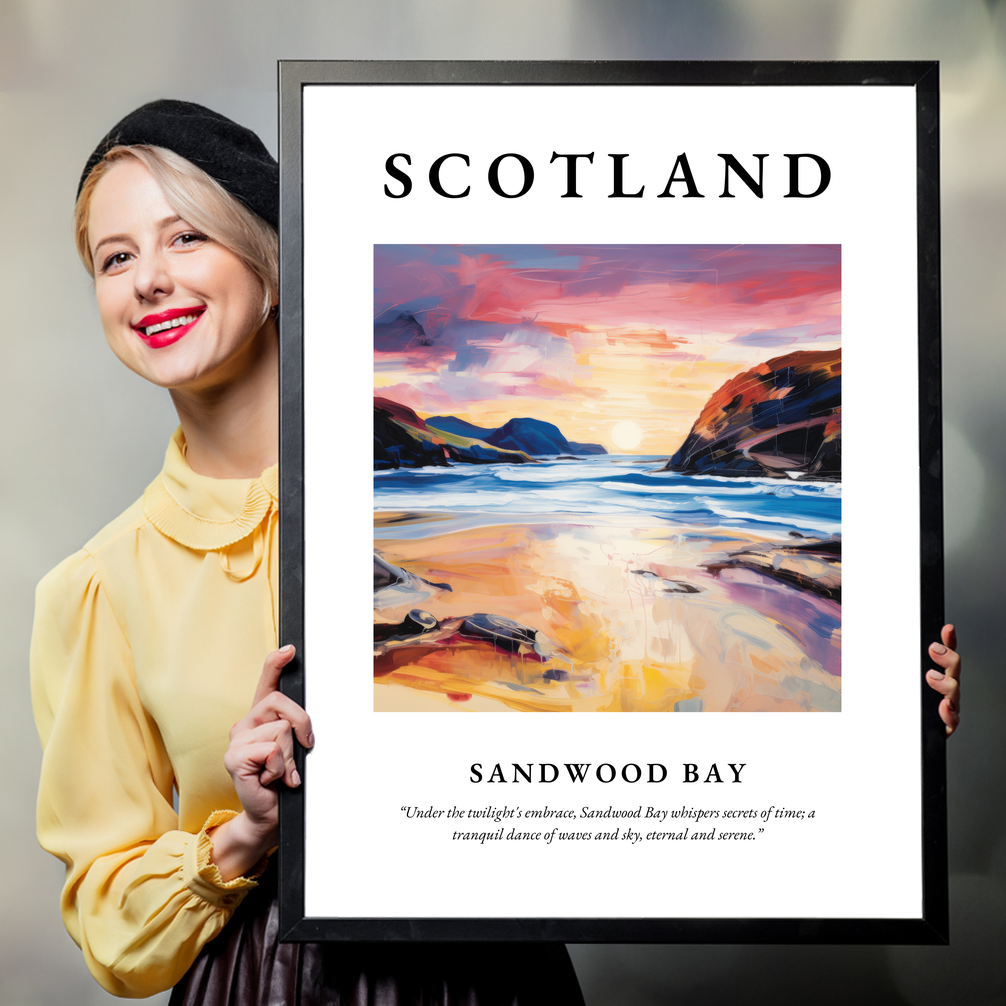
<point x="932" y="926"/>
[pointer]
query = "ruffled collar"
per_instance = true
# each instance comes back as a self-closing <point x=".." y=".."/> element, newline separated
<point x="203" y="513"/>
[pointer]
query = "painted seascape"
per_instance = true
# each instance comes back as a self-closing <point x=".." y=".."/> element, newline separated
<point x="607" y="478"/>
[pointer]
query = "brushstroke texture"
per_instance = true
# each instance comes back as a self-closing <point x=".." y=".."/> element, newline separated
<point x="781" y="418"/>
<point x="535" y="549"/>
<point x="585" y="337"/>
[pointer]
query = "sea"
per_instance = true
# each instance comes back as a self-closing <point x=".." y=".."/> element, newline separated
<point x="612" y="486"/>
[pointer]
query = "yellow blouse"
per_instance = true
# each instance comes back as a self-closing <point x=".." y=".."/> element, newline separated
<point x="147" y="647"/>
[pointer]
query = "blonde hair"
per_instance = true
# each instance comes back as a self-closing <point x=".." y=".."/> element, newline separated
<point x="199" y="200"/>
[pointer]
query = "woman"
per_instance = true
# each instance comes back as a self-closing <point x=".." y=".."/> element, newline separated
<point x="148" y="643"/>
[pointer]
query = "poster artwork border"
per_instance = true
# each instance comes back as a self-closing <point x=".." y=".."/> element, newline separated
<point x="933" y="926"/>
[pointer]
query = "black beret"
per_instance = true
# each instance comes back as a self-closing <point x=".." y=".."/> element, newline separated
<point x="231" y="154"/>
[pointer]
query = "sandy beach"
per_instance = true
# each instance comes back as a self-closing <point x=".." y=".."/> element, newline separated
<point x="629" y="619"/>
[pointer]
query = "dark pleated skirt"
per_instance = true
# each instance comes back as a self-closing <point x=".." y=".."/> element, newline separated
<point x="246" y="965"/>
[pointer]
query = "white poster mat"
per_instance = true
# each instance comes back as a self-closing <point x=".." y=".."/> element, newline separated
<point x="859" y="769"/>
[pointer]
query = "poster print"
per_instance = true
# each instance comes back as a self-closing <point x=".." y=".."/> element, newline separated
<point x="620" y="383"/>
<point x="607" y="478"/>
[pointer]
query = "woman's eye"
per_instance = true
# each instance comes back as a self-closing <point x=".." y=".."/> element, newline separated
<point x="114" y="261"/>
<point x="190" y="238"/>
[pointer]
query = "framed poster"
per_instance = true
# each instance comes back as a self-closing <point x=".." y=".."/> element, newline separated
<point x="624" y="380"/>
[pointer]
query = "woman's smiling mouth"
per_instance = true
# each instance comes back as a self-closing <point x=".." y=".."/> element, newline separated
<point x="166" y="327"/>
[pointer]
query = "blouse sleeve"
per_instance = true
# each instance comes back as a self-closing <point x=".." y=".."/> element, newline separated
<point x="141" y="898"/>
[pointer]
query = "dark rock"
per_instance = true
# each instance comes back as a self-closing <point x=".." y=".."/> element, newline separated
<point x="780" y="419"/>
<point x="400" y="439"/>
<point x="811" y="564"/>
<point x="479" y="454"/>
<point x="502" y="632"/>
<point x="415" y="623"/>
<point x="480" y="632"/>
<point x="386" y="575"/>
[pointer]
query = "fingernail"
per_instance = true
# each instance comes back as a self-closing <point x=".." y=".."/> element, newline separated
<point x="938" y="648"/>
<point x="287" y="649"/>
<point x="951" y="706"/>
<point x="295" y="777"/>
<point x="310" y="740"/>
<point x="936" y="675"/>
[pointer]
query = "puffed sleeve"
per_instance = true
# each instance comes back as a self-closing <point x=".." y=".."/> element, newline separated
<point x="141" y="898"/>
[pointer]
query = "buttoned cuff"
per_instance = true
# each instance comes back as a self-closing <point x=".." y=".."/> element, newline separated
<point x="202" y="876"/>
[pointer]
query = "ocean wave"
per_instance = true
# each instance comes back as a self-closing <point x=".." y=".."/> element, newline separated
<point x="600" y="487"/>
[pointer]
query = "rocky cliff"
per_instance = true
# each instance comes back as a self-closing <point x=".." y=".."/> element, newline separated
<point x="403" y="440"/>
<point x="781" y="419"/>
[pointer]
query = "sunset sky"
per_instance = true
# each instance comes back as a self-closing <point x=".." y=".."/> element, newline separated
<point x="592" y="338"/>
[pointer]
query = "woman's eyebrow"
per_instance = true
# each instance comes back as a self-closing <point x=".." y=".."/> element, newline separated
<point x="160" y="225"/>
<point x="109" y="240"/>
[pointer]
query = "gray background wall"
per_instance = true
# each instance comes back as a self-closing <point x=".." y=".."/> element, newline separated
<point x="81" y="436"/>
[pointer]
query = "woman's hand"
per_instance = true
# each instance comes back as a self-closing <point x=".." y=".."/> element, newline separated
<point x="947" y="682"/>
<point x="260" y="753"/>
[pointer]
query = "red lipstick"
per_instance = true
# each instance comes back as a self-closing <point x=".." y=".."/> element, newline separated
<point x="166" y="325"/>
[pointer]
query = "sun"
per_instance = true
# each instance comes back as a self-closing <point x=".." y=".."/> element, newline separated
<point x="626" y="435"/>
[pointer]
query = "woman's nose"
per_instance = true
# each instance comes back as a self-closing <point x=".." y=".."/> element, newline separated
<point x="152" y="277"/>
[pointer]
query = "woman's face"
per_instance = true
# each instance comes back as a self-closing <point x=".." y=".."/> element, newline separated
<point x="177" y="308"/>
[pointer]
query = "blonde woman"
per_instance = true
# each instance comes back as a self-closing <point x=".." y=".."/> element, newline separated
<point x="165" y="736"/>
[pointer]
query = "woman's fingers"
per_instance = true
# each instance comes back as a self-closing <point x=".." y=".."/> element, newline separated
<point x="947" y="680"/>
<point x="260" y="761"/>
<point x="274" y="766"/>
<point x="950" y="716"/>
<point x="271" y="671"/>
<point x="949" y="636"/>
<point x="277" y="735"/>
<point x="948" y="659"/>
<point x="277" y="706"/>
<point x="949" y="709"/>
<point x="261" y="743"/>
<point x="270" y="703"/>
<point x="261" y="749"/>
<point x="947" y="686"/>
